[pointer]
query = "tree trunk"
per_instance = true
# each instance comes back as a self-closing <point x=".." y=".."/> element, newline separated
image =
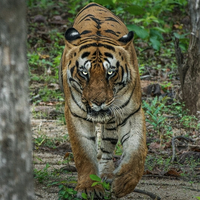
<point x="16" y="174"/>
<point x="190" y="69"/>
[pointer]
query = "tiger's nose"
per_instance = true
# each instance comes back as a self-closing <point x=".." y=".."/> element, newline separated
<point x="97" y="106"/>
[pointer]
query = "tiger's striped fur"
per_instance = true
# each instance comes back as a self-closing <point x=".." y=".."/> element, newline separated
<point x="100" y="79"/>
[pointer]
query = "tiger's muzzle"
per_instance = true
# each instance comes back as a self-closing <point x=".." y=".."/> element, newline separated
<point x="99" y="114"/>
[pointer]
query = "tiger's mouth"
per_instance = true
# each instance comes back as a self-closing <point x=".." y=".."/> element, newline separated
<point x="99" y="116"/>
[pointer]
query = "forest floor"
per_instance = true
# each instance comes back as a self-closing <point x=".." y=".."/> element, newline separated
<point x="170" y="186"/>
<point x="166" y="120"/>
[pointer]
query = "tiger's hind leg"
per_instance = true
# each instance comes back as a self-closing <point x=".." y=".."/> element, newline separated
<point x="82" y="138"/>
<point x="108" y="143"/>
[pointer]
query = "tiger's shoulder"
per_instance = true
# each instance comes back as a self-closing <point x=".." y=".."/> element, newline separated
<point x="96" y="20"/>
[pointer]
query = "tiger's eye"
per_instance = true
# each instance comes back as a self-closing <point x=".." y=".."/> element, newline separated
<point x="84" y="73"/>
<point x="110" y="72"/>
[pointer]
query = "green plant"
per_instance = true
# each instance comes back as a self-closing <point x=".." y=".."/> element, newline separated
<point x="189" y="121"/>
<point x="45" y="141"/>
<point x="197" y="198"/>
<point x="118" y="149"/>
<point x="153" y="162"/>
<point x="42" y="174"/>
<point x="67" y="193"/>
<point x="97" y="181"/>
<point x="189" y="172"/>
<point x="148" y="17"/>
<point x="154" y="113"/>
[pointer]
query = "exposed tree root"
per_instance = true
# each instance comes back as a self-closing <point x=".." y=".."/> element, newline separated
<point x="153" y="196"/>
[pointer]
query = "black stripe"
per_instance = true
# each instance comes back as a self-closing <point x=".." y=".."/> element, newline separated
<point x="98" y="33"/>
<point x="103" y="162"/>
<point x="107" y="60"/>
<point x="89" y="15"/>
<point x="126" y="67"/>
<point x="117" y="64"/>
<point x="106" y="159"/>
<point x="125" y="120"/>
<point x="97" y="45"/>
<point x="85" y="54"/>
<point x="111" y="122"/>
<point x="111" y="19"/>
<point x="108" y="55"/>
<point x="125" y="140"/>
<point x="122" y="69"/>
<point x="112" y="140"/>
<point x="76" y="101"/>
<point x="108" y="41"/>
<point x="98" y="22"/>
<point x="107" y="46"/>
<point x="90" y="5"/>
<point x="85" y="32"/>
<point x="77" y="64"/>
<point x="72" y="80"/>
<point x="111" y="31"/>
<point x="87" y="46"/>
<point x="72" y="70"/>
<point x="104" y="151"/>
<point x="91" y="138"/>
<point x="75" y="115"/>
<point x="124" y="137"/>
<point x="126" y="103"/>
<point x="111" y="129"/>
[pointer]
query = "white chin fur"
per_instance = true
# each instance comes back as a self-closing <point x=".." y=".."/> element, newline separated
<point x="99" y="119"/>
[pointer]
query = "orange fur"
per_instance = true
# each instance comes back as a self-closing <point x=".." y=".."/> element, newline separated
<point x="99" y="33"/>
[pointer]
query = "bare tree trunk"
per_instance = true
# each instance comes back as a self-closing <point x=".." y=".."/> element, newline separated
<point x="16" y="175"/>
<point x="190" y="69"/>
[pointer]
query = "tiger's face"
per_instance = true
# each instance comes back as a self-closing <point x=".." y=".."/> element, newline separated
<point x="98" y="73"/>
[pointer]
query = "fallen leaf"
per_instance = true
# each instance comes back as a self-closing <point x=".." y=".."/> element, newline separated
<point x="154" y="145"/>
<point x="172" y="172"/>
<point x="39" y="19"/>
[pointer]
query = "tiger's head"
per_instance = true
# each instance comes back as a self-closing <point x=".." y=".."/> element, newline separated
<point x="98" y="72"/>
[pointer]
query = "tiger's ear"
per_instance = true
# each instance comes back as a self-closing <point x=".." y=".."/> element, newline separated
<point x="72" y="36"/>
<point x="126" y="39"/>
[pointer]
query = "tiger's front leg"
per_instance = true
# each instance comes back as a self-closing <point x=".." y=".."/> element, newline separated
<point x="82" y="137"/>
<point x="130" y="170"/>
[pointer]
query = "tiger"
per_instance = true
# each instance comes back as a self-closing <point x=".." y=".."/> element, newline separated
<point x="100" y="79"/>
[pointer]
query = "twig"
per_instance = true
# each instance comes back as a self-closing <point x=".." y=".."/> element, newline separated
<point x="38" y="195"/>
<point x="153" y="196"/>
<point x="173" y="145"/>
<point x="145" y="76"/>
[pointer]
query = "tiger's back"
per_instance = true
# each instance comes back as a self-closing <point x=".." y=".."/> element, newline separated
<point x="95" y="19"/>
<point x="100" y="79"/>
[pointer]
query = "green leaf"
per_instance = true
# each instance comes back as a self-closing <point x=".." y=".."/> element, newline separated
<point x="84" y="195"/>
<point x="106" y="185"/>
<point x="139" y="31"/>
<point x="66" y="195"/>
<point x="156" y="33"/>
<point x="135" y="10"/>
<point x="95" y="177"/>
<point x="104" y="2"/>
<point x="95" y="183"/>
<point x="155" y="43"/>
<point x="159" y="29"/>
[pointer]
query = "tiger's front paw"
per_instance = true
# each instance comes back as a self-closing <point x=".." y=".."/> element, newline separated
<point x="96" y="192"/>
<point x="124" y="184"/>
<point x="107" y="177"/>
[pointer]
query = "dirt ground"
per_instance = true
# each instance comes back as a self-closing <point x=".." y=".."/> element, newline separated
<point x="168" y="188"/>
